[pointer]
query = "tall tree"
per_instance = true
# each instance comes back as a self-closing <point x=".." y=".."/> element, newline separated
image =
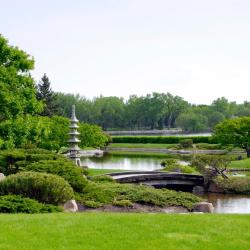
<point x="47" y="96"/>
<point x="234" y="131"/>
<point x="17" y="88"/>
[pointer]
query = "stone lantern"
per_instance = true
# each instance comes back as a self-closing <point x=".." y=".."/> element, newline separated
<point x="73" y="141"/>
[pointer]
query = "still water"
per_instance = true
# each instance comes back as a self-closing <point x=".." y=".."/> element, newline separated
<point x="123" y="163"/>
<point x="223" y="203"/>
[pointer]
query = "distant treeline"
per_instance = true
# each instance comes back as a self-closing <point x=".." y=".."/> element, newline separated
<point x="153" y="111"/>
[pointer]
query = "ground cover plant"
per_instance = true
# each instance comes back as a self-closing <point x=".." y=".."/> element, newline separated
<point x="103" y="191"/>
<point x="19" y="204"/>
<point x="124" y="231"/>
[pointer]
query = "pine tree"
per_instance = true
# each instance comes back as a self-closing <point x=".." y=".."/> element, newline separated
<point x="47" y="96"/>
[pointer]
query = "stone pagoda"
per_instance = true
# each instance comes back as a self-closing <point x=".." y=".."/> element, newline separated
<point x="73" y="141"/>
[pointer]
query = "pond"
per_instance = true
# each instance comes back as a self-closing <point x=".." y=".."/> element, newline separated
<point x="123" y="163"/>
<point x="228" y="203"/>
<point x="222" y="203"/>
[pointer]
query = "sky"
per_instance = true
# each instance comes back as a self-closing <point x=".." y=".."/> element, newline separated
<point x="196" y="49"/>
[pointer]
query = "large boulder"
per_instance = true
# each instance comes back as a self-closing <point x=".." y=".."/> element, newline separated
<point x="70" y="206"/>
<point x="204" y="207"/>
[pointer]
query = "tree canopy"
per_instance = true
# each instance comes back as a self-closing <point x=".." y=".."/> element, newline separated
<point x="234" y="131"/>
<point x="17" y="88"/>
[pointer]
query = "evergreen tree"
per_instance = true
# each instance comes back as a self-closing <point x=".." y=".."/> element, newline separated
<point x="47" y="96"/>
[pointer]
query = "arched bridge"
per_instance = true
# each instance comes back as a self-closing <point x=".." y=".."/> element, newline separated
<point x="177" y="181"/>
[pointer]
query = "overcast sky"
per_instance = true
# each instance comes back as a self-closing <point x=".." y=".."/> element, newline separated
<point x="197" y="49"/>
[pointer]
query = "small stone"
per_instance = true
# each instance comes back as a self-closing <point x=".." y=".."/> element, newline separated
<point x="2" y="176"/>
<point x="204" y="207"/>
<point x="70" y="206"/>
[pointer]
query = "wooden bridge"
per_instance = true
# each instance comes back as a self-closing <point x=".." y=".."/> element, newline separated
<point x="178" y="181"/>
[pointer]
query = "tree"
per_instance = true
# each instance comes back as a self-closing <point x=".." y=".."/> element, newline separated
<point x="17" y="88"/>
<point x="47" y="96"/>
<point x="234" y="131"/>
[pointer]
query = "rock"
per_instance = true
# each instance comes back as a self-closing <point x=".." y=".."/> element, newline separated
<point x="213" y="188"/>
<point x="204" y="207"/>
<point x="2" y="176"/>
<point x="198" y="190"/>
<point x="70" y="206"/>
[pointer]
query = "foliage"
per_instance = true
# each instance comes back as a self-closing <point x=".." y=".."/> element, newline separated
<point x="172" y="165"/>
<point x="43" y="187"/>
<point x="237" y="185"/>
<point x="186" y="143"/>
<point x="48" y="133"/>
<point x="200" y="162"/>
<point x="160" y="139"/>
<point x="12" y="160"/>
<point x="107" y="192"/>
<point x="234" y="131"/>
<point x="17" y="89"/>
<point x="18" y="204"/>
<point x="64" y="168"/>
<point x="92" y="136"/>
<point x="47" y="96"/>
<point x="122" y="203"/>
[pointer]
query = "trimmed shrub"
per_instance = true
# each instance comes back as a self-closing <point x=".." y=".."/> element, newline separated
<point x="18" y="204"/>
<point x="43" y="187"/>
<point x="12" y="160"/>
<point x="186" y="143"/>
<point x="161" y="139"/>
<point x="64" y="168"/>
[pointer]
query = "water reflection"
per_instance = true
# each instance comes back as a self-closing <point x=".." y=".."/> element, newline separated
<point x="123" y="163"/>
<point x="229" y="203"/>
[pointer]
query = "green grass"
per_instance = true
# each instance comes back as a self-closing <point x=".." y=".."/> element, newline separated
<point x="245" y="163"/>
<point x="93" y="172"/>
<point x="143" y="154"/>
<point x="142" y="145"/>
<point x="108" y="231"/>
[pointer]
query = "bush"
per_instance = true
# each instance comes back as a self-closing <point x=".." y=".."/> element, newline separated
<point x="43" y="187"/>
<point x="64" y="168"/>
<point x="236" y="185"/>
<point x="12" y="160"/>
<point x="18" y="204"/>
<point x="161" y="139"/>
<point x="186" y="143"/>
<point x="122" y="203"/>
<point x="172" y="165"/>
<point x="99" y="194"/>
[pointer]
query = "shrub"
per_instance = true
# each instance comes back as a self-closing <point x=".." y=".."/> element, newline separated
<point x="237" y="185"/>
<point x="122" y="203"/>
<point x="43" y="187"/>
<point x="64" y="168"/>
<point x="186" y="143"/>
<point x="12" y="160"/>
<point x="103" y="193"/>
<point x="18" y="204"/>
<point x="161" y="139"/>
<point x="172" y="165"/>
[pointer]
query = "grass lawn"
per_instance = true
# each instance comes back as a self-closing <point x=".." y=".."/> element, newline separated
<point x="245" y="163"/>
<point x="93" y="172"/>
<point x="111" y="231"/>
<point x="142" y="145"/>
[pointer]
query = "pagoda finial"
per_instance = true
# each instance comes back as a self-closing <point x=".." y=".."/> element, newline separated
<point x="73" y="114"/>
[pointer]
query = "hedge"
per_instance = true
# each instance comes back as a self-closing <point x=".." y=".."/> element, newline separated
<point x="161" y="139"/>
